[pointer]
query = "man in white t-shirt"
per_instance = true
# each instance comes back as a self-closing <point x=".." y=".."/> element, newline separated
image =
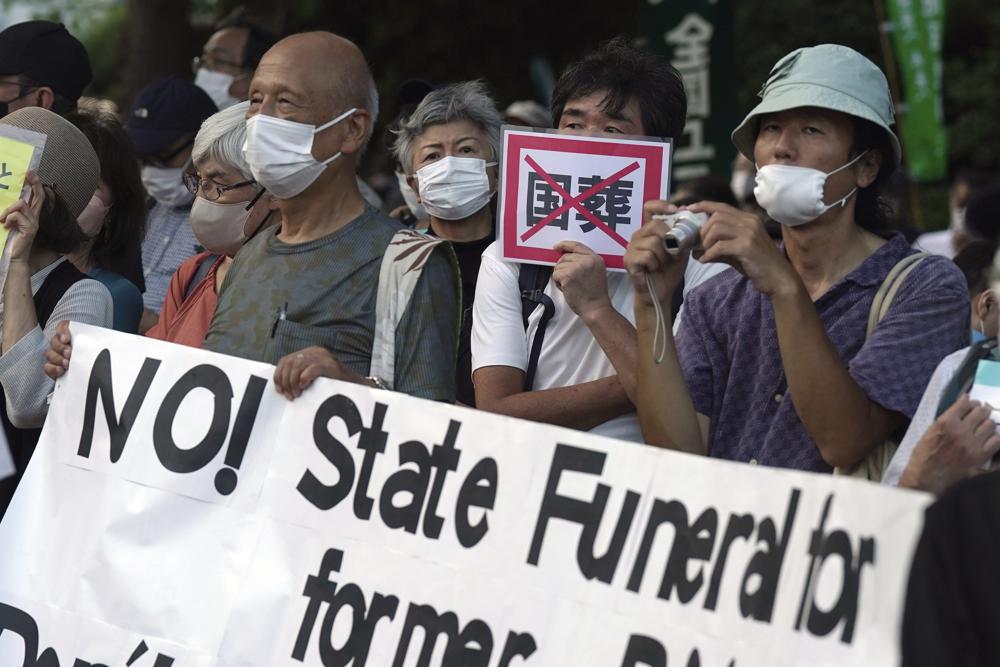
<point x="587" y="364"/>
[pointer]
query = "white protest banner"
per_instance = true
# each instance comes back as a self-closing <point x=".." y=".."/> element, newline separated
<point x="180" y="513"/>
<point x="556" y="187"/>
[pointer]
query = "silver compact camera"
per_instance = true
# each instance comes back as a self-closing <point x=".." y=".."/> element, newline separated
<point x="685" y="230"/>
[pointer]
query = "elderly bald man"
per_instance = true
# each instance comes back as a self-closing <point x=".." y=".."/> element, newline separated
<point x="303" y="294"/>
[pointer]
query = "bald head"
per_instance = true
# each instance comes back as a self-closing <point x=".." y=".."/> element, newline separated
<point x="327" y="68"/>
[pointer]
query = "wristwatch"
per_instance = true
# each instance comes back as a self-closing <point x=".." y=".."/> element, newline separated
<point x="378" y="382"/>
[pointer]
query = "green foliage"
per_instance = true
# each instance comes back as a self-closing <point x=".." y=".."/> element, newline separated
<point x="971" y="73"/>
<point x="767" y="29"/>
<point x="452" y="40"/>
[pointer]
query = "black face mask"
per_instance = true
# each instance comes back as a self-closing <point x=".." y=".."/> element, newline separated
<point x="5" y="106"/>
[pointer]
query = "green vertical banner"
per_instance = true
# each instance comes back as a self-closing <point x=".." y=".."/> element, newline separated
<point x="697" y="36"/>
<point x="916" y="27"/>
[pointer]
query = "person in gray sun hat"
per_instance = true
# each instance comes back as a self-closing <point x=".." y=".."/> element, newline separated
<point x="784" y="361"/>
<point x="42" y="287"/>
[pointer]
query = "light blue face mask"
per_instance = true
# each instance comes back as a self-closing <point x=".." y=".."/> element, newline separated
<point x="978" y="336"/>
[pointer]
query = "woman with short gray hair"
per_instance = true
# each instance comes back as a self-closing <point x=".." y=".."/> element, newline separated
<point x="449" y="147"/>
<point x="229" y="208"/>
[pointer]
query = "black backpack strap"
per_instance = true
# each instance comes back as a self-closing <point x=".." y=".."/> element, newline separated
<point x="677" y="300"/>
<point x="532" y="279"/>
<point x="204" y="266"/>
<point x="55" y="285"/>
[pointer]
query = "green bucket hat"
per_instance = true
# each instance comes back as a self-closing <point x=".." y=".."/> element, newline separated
<point x="828" y="76"/>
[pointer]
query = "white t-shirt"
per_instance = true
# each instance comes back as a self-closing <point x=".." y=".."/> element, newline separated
<point x="570" y="354"/>
<point x="924" y="416"/>
<point x="936" y="243"/>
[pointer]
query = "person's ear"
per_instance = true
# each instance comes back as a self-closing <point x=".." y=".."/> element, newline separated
<point x="493" y="176"/>
<point x="356" y="126"/>
<point x="411" y="180"/>
<point x="868" y="167"/>
<point x="45" y="97"/>
<point x="240" y="87"/>
<point x="985" y="305"/>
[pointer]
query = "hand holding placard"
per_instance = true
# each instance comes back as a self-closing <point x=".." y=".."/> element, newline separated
<point x="22" y="217"/>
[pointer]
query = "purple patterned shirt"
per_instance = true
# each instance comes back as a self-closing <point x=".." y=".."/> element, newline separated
<point x="728" y="350"/>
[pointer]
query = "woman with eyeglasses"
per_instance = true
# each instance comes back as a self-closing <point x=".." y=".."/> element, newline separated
<point x="229" y="208"/>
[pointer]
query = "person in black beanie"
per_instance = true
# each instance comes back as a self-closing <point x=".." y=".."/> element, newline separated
<point x="41" y="65"/>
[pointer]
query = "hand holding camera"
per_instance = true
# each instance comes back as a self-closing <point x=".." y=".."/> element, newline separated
<point x="684" y="230"/>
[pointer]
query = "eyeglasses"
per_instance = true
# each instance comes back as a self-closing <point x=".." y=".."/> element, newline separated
<point x="212" y="63"/>
<point x="209" y="189"/>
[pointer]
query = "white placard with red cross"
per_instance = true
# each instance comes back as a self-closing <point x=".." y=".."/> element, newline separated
<point x="557" y="187"/>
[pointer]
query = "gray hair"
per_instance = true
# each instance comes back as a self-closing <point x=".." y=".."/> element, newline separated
<point x="468" y="100"/>
<point x="221" y="138"/>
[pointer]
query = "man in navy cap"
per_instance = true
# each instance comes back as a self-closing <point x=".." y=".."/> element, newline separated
<point x="41" y="65"/>
<point x="165" y="117"/>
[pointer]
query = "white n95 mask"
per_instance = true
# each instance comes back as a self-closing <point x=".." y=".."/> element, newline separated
<point x="794" y="195"/>
<point x="279" y="153"/>
<point x="453" y="188"/>
<point x="216" y="85"/>
<point x="956" y="219"/>
<point x="741" y="182"/>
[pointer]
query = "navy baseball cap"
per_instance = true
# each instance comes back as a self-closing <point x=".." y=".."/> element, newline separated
<point x="48" y="55"/>
<point x="166" y="110"/>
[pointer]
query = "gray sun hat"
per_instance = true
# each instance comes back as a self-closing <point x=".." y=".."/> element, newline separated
<point x="828" y="76"/>
<point x="69" y="164"/>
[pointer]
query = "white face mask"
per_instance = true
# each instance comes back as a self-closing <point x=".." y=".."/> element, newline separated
<point x="165" y="185"/>
<point x="742" y="182"/>
<point x="453" y="188"/>
<point x="956" y="219"/>
<point x="279" y="153"/>
<point x="794" y="195"/>
<point x="410" y="197"/>
<point x="216" y="84"/>
<point x="91" y="219"/>
<point x="220" y="228"/>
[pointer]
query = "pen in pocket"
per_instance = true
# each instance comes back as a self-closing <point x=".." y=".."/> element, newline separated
<point x="280" y="315"/>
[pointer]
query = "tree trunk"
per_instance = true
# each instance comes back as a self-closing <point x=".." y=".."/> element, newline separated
<point x="159" y="41"/>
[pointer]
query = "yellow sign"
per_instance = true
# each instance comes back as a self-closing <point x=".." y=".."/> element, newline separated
<point x="15" y="158"/>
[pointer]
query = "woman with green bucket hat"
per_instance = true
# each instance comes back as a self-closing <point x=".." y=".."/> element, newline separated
<point x="784" y="361"/>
